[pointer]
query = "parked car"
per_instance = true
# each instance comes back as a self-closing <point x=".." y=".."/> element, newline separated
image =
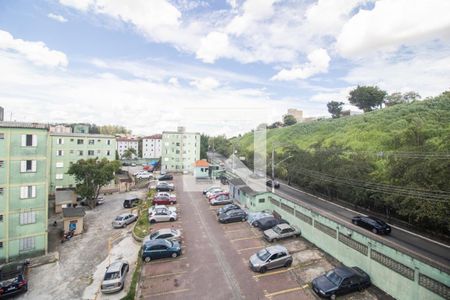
<point x="164" y="186"/>
<point x="153" y="208"/>
<point x="13" y="278"/>
<point x="227" y="208"/>
<point x="99" y="201"/>
<point x="144" y="176"/>
<point x="160" y="248"/>
<point x="164" y="200"/>
<point x="281" y="231"/>
<point x="276" y="183"/>
<point x="140" y="172"/>
<point x="130" y="201"/>
<point x="165" y="233"/>
<point x="165" y="177"/>
<point x="342" y="280"/>
<point x="123" y="220"/>
<point x="213" y="192"/>
<point x="254" y="216"/>
<point x="372" y="223"/>
<point x="237" y="215"/>
<point x="114" y="279"/>
<point x="162" y="215"/>
<point x="268" y="222"/>
<point x="270" y="258"/>
<point x="221" y="199"/>
<point x="210" y="188"/>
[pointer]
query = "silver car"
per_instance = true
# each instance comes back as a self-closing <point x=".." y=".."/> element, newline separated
<point x="281" y="231"/>
<point x="114" y="279"/>
<point x="123" y="220"/>
<point x="270" y="258"/>
<point x="170" y="234"/>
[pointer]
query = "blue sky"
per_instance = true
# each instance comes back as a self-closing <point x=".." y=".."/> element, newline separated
<point x="213" y="66"/>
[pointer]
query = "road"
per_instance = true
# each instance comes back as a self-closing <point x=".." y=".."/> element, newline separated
<point x="422" y="246"/>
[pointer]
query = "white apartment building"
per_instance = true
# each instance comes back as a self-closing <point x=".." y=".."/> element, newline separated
<point x="180" y="150"/>
<point x="125" y="143"/>
<point x="151" y="146"/>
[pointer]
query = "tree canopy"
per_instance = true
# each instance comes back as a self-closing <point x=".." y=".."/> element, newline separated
<point x="289" y="120"/>
<point x="335" y="108"/>
<point x="128" y="153"/>
<point x="367" y="97"/>
<point x="91" y="174"/>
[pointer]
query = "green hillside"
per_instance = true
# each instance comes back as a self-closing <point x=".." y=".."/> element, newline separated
<point x="395" y="161"/>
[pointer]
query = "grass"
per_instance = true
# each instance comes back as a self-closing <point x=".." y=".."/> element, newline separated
<point x="142" y="227"/>
<point x="134" y="280"/>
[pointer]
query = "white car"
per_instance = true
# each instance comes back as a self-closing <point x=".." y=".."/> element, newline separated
<point x="162" y="215"/>
<point x="210" y="189"/>
<point x="165" y="194"/>
<point x="114" y="278"/>
<point x="213" y="192"/>
<point x="144" y="176"/>
<point x="153" y="208"/>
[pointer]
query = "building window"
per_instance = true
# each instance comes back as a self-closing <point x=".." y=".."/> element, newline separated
<point x="80" y="142"/>
<point x="91" y="142"/>
<point x="98" y="141"/>
<point x="80" y="152"/>
<point x="27" y="218"/>
<point x="29" y="140"/>
<point x="60" y="164"/>
<point x="1" y="191"/>
<point x="27" y="192"/>
<point x="1" y="218"/>
<point x="2" y="135"/>
<point x="59" y="152"/>
<point x="60" y="141"/>
<point x="27" y="244"/>
<point x="2" y="162"/>
<point x="59" y="176"/>
<point x="71" y="140"/>
<point x="108" y="142"/>
<point x="27" y="166"/>
<point x="91" y="152"/>
<point x="108" y="153"/>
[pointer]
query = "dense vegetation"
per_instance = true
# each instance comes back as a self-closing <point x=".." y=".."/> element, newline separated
<point x="394" y="160"/>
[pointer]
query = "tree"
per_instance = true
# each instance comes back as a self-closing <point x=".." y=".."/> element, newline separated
<point x="276" y="124"/>
<point x="204" y="143"/>
<point x="289" y="120"/>
<point x="335" y="108"/>
<point x="399" y="98"/>
<point x="117" y="155"/>
<point x="128" y="154"/>
<point x="113" y="129"/>
<point x="91" y="174"/>
<point x="367" y="97"/>
<point x="221" y="145"/>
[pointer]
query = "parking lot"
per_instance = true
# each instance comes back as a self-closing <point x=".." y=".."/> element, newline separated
<point x="214" y="263"/>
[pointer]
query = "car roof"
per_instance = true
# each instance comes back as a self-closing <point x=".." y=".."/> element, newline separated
<point x="131" y="197"/>
<point x="156" y="242"/>
<point x="344" y="271"/>
<point x="276" y="249"/>
<point x="124" y="215"/>
<point x="284" y="226"/>
<point x="165" y="230"/>
<point x="115" y="266"/>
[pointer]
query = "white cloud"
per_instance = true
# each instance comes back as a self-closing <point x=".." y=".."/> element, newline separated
<point x="318" y="62"/>
<point x="205" y="84"/>
<point x="213" y="46"/>
<point x="77" y="4"/>
<point x="58" y="18"/>
<point x="232" y="3"/>
<point x="36" y="52"/>
<point x="392" y="23"/>
<point x="253" y="11"/>
<point x="174" y="81"/>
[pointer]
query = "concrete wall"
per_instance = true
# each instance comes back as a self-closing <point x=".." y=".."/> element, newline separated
<point x="400" y="275"/>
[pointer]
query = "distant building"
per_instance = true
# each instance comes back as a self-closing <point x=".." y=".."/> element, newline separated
<point x="60" y="128"/>
<point x="81" y="128"/>
<point x="349" y="112"/>
<point x="201" y="169"/>
<point x="296" y="113"/>
<point x="151" y="146"/>
<point x="2" y="114"/>
<point x="180" y="150"/>
<point x="24" y="169"/>
<point x="68" y="148"/>
<point x="124" y="143"/>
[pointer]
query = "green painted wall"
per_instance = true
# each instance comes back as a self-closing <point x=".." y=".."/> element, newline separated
<point x="179" y="151"/>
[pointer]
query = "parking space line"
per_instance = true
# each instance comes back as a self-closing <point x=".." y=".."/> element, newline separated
<point x="246" y="238"/>
<point x="166" y="274"/>
<point x="234" y="230"/>
<point x="287" y="291"/>
<point x="250" y="248"/>
<point x="272" y="273"/>
<point x="166" y="260"/>
<point x="166" y="293"/>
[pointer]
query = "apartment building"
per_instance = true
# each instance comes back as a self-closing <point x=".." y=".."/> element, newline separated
<point x="151" y="146"/>
<point x="24" y="172"/>
<point x="124" y="143"/>
<point x="67" y="148"/>
<point x="180" y="150"/>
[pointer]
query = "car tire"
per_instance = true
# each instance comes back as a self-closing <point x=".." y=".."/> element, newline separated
<point x="172" y="203"/>
<point x="152" y="221"/>
<point x="174" y="254"/>
<point x="355" y="222"/>
<point x="333" y="297"/>
<point x="147" y="259"/>
<point x="288" y="263"/>
<point x="262" y="270"/>
<point x="374" y="230"/>
<point x="274" y="240"/>
<point x="243" y="220"/>
<point x="171" y="219"/>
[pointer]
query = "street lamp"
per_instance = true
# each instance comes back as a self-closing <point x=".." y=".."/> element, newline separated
<point x="273" y="164"/>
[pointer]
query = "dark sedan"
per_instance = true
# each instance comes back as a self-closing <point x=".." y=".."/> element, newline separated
<point x="13" y="278"/>
<point x="237" y="215"/>
<point x="227" y="208"/>
<point x="340" y="281"/>
<point x="165" y="177"/>
<point x="276" y="184"/>
<point x="160" y="248"/>
<point x="373" y="224"/>
<point x="268" y="222"/>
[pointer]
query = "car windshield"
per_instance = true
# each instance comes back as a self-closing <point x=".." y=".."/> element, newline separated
<point x="263" y="254"/>
<point x="277" y="229"/>
<point x="111" y="275"/>
<point x="334" y="278"/>
<point x="153" y="235"/>
<point x="119" y="218"/>
<point x="174" y="232"/>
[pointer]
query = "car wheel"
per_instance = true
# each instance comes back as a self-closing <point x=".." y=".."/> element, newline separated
<point x="274" y="240"/>
<point x="263" y="270"/>
<point x="355" y="222"/>
<point x="288" y="263"/>
<point x="333" y="297"/>
<point x="147" y="259"/>
<point x="172" y="203"/>
<point x="152" y="221"/>
<point x="374" y="230"/>
<point x="243" y="220"/>
<point x="172" y="219"/>
<point x="174" y="254"/>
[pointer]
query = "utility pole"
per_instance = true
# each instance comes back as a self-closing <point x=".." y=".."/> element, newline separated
<point x="232" y="157"/>
<point x="273" y="169"/>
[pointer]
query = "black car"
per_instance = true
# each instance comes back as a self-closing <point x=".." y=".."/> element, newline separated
<point x="130" y="202"/>
<point x="227" y="208"/>
<point x="268" y="222"/>
<point x="236" y="215"/>
<point x="13" y="278"/>
<point x="165" y="177"/>
<point x="340" y="281"/>
<point x="372" y="223"/>
<point x="276" y="183"/>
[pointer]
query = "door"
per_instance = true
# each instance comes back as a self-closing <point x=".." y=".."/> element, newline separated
<point x="345" y="286"/>
<point x="272" y="261"/>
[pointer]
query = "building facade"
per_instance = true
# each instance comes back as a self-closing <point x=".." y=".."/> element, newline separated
<point x="125" y="143"/>
<point x="180" y="150"/>
<point x="151" y="146"/>
<point x="24" y="173"/>
<point x="2" y="114"/>
<point x="67" y="148"/>
<point x="296" y="113"/>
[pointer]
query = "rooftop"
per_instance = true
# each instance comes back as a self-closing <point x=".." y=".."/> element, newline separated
<point x="153" y="137"/>
<point x="23" y="125"/>
<point x="70" y="212"/>
<point x="201" y="163"/>
<point x="88" y="135"/>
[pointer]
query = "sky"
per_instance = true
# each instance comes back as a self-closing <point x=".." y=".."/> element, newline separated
<point x="218" y="67"/>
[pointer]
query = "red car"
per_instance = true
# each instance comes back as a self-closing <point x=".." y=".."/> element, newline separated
<point x="218" y="195"/>
<point x="164" y="200"/>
